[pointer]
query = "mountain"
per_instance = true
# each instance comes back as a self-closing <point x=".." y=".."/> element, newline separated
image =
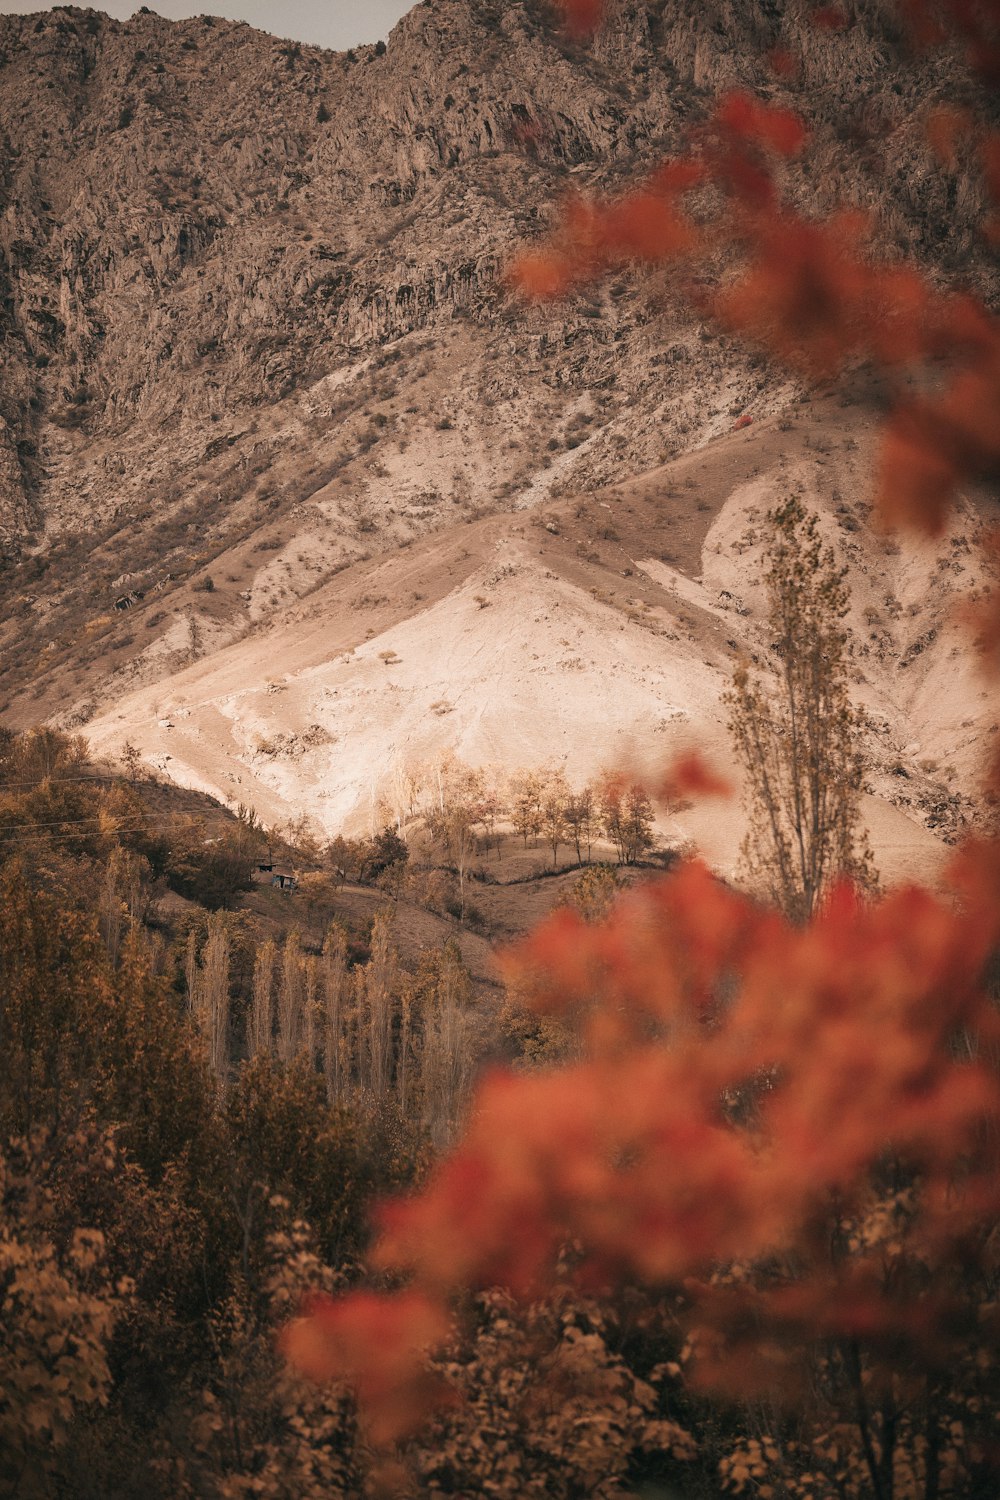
<point x="263" y="385"/>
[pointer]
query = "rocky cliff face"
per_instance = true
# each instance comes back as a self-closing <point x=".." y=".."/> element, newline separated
<point x="251" y="292"/>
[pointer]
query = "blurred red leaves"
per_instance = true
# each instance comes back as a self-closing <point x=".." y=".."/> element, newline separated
<point x="583" y="17"/>
<point x="947" y="127"/>
<point x="809" y="292"/>
<point x="379" y="1343"/>
<point x="976" y="23"/>
<point x="804" y="292"/>
<point x="745" y="118"/>
<point x="647" y="226"/>
<point x="689" y="998"/>
<point x="829" y="18"/>
<point x="783" y="64"/>
<point x="689" y="774"/>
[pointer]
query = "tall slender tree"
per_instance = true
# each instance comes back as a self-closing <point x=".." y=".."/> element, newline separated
<point x="335" y="991"/>
<point x="261" y="1027"/>
<point x="799" y="739"/>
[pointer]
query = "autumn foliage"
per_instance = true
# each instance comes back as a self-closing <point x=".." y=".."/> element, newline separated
<point x="788" y="1136"/>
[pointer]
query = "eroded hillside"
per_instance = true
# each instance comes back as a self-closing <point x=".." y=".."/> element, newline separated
<point x="595" y="630"/>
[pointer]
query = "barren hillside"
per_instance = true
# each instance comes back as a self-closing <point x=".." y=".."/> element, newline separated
<point x="589" y="631"/>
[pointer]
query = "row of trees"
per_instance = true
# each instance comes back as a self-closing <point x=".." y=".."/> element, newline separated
<point x="797" y="736"/>
<point x="378" y="1034"/>
<point x="461" y="813"/>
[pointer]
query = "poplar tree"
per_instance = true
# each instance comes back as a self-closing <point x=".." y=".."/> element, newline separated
<point x="335" y="985"/>
<point x="291" y="999"/>
<point x="261" y="1028"/>
<point x="799" y="740"/>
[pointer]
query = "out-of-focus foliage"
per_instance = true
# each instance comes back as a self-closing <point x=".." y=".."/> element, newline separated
<point x="743" y="1200"/>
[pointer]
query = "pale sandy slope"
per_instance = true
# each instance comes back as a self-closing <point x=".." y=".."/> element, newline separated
<point x="607" y="636"/>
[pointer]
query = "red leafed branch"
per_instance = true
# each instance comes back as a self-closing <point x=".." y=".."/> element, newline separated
<point x="740" y="1078"/>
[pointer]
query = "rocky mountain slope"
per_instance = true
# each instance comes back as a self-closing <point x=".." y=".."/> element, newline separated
<point x="258" y="354"/>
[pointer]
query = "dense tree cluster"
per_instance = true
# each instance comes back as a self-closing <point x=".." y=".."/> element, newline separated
<point x="177" y="1104"/>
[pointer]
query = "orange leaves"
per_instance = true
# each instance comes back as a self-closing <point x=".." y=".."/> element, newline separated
<point x="378" y="1342"/>
<point x="932" y="23"/>
<point x="740" y="136"/>
<point x="931" y="445"/>
<point x="915" y="478"/>
<point x="655" y="960"/>
<point x="690" y="775"/>
<point x="583" y="17"/>
<point x="619" y="1155"/>
<point x="741" y="1086"/>
<point x="808" y="291"/>
<point x="783" y="64"/>
<point x="811" y="296"/>
<point x="740" y="1080"/>
<point x="645" y="226"/>
<point x="829" y="18"/>
<point x="805" y="293"/>
<point x="856" y="1013"/>
<point x="747" y="119"/>
<point x="949" y="129"/>
<point x="946" y="128"/>
<point x="545" y="274"/>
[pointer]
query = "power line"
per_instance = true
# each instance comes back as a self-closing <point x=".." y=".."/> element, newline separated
<point x="53" y="829"/>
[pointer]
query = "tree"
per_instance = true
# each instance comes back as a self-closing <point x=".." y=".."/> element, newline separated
<point x="455" y="823"/>
<point x="58" y="1309"/>
<point x="260" y="1028"/>
<point x="443" y="1002"/>
<point x="387" y="852"/>
<point x="800" y="745"/>
<point x="526" y="790"/>
<point x="208" y="997"/>
<point x="594" y="892"/>
<point x="581" y="818"/>
<point x="377" y="987"/>
<point x="555" y="796"/>
<point x="627" y="817"/>
<point x="211" y="870"/>
<point x="291" y="999"/>
<point x="335" y="984"/>
<point x="317" y="892"/>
